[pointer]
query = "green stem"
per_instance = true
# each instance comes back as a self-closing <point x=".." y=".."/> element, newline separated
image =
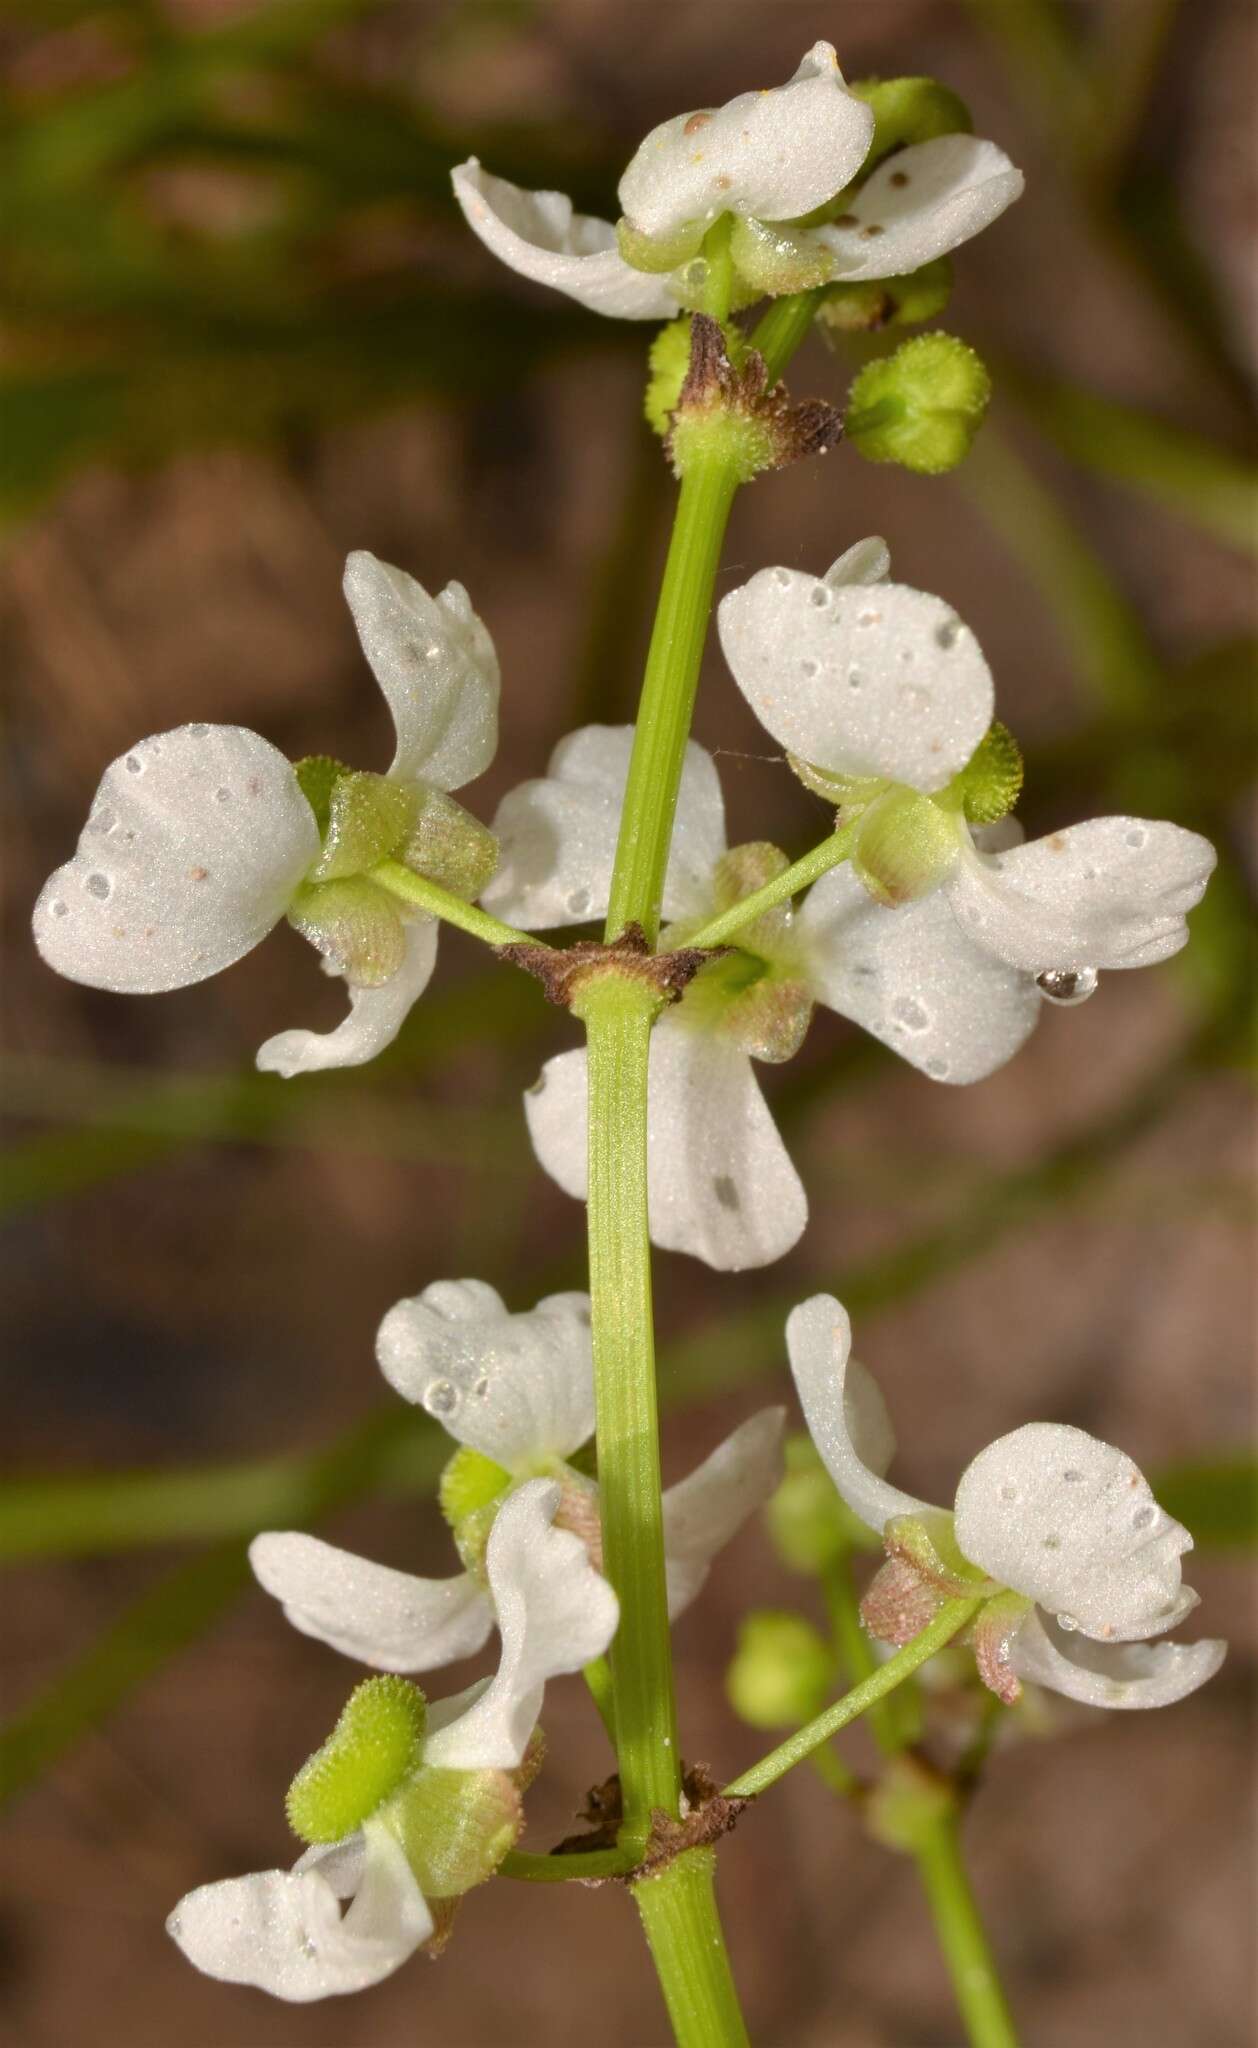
<point x="598" y="1677"/>
<point x="409" y="887"/>
<point x="678" y="1909"/>
<point x="668" y="694"/>
<point x="618" y="1012"/>
<point x="582" y="1866"/>
<point x="857" y="1657"/>
<point x="962" y="1939"/>
<point x="798" y="876"/>
<point x="781" y="330"/>
<point x="951" y="1618"/>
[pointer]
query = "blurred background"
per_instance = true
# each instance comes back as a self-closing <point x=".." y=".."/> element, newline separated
<point x="244" y="331"/>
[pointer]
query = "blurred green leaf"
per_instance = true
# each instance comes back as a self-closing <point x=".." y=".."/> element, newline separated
<point x="1217" y="1501"/>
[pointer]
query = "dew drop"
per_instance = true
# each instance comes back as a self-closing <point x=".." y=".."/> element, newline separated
<point x="947" y="634"/>
<point x="782" y="577"/>
<point x="134" y="765"/>
<point x="808" y="667"/>
<point x="308" y="1948"/>
<point x="441" y="1397"/>
<point x="855" y="679"/>
<point x="60" y="909"/>
<point x="937" y="1069"/>
<point x="197" y="732"/>
<point x="1071" y="1474"/>
<point x="1137" y="837"/>
<point x="725" y="1191"/>
<point x="579" y="902"/>
<point x="914" y="1016"/>
<point x="99" y="885"/>
<point x="695" y="275"/>
<point x="1067" y="986"/>
<point x="223" y="795"/>
<point x="1144" y="1516"/>
<point x="175" y="1924"/>
<point x="1068" y="1622"/>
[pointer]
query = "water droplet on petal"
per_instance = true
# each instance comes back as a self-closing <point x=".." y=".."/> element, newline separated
<point x="134" y="765"/>
<point x="855" y="679"/>
<point x="820" y="595"/>
<point x="1068" y="1622"/>
<point x="914" y="1016"/>
<point x="60" y="909"/>
<point x="1068" y="985"/>
<point x="99" y="885"/>
<point x="782" y="577"/>
<point x="578" y="902"/>
<point x="725" y="1191"/>
<point x="937" y="1069"/>
<point x="1144" y="1516"/>
<point x="441" y="1397"/>
<point x="948" y="633"/>
<point x="197" y="732"/>
<point x="808" y="667"/>
<point x="695" y="275"/>
<point x="308" y="1948"/>
<point x="1137" y="837"/>
<point x="222" y="796"/>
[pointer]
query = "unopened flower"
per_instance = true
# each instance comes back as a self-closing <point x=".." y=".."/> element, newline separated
<point x="779" y="165"/>
<point x="428" y="1797"/>
<point x="517" y="1392"/>
<point x="1059" y="1532"/>
<point x="200" y="840"/>
<point x="940" y="937"/>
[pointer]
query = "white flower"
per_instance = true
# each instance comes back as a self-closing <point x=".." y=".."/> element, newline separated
<point x="517" y="1391"/>
<point x="283" y="1930"/>
<point x="200" y="840"/>
<point x="766" y="158"/>
<point x="882" y="693"/>
<point x="1060" y="1529"/>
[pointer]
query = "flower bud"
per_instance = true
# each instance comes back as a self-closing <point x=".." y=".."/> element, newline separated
<point x="906" y="1803"/>
<point x="782" y="1671"/>
<point x="905" y="844"/>
<point x="450" y="846"/>
<point x="920" y="407"/>
<point x="908" y="110"/>
<point x="470" y="1494"/>
<point x="809" y="1526"/>
<point x="377" y="1744"/>
<point x="355" y="925"/>
<point x="868" y="304"/>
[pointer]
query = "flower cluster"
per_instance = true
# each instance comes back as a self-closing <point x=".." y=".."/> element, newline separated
<point x="801" y="185"/>
<point x="1077" y="1564"/>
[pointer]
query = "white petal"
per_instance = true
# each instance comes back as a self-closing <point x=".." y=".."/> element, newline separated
<point x="376" y="1015"/>
<point x="194" y="845"/>
<point x="1111" y="1674"/>
<point x="818" y="1341"/>
<point x="885" y="681"/>
<point x="283" y="1930"/>
<point x="1113" y="892"/>
<point x="555" y="1612"/>
<point x="923" y="201"/>
<point x="866" y="562"/>
<point x="435" y="662"/>
<point x="557" y="835"/>
<point x="538" y="235"/>
<point x="774" y="154"/>
<point x="514" y="1387"/>
<point x="706" y="1508"/>
<point x="912" y="978"/>
<point x="1068" y="1520"/>
<point x="720" y="1183"/>
<point x="384" y="1618"/>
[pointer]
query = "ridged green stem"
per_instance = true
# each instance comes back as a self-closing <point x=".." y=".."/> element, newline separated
<point x="678" y="1910"/>
<point x="962" y="1939"/>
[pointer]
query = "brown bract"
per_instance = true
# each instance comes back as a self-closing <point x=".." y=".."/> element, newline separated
<point x="561" y="970"/>
<point x="713" y="384"/>
<point x="708" y="1815"/>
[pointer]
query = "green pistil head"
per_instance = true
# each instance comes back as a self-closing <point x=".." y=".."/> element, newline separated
<point x="375" y="1747"/>
<point x="471" y="1493"/>
<point x="989" y="785"/>
<point x="920" y="407"/>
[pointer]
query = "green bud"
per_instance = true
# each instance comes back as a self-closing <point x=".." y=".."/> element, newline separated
<point x="659" y="253"/>
<point x="988" y="786"/>
<point x="908" y="110"/>
<point x="774" y="260"/>
<point x="456" y="1827"/>
<point x="809" y="1525"/>
<point x="355" y="924"/>
<point x="369" y="818"/>
<point x="782" y="1671"/>
<point x="920" y="407"/>
<point x="469" y="1481"/>
<point x="904" y="846"/>
<point x="448" y="845"/>
<point x="869" y="304"/>
<point x="907" y="1802"/>
<point x="377" y="1744"/>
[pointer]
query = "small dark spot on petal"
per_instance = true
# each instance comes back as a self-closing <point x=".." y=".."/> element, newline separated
<point x="726" y="1193"/>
